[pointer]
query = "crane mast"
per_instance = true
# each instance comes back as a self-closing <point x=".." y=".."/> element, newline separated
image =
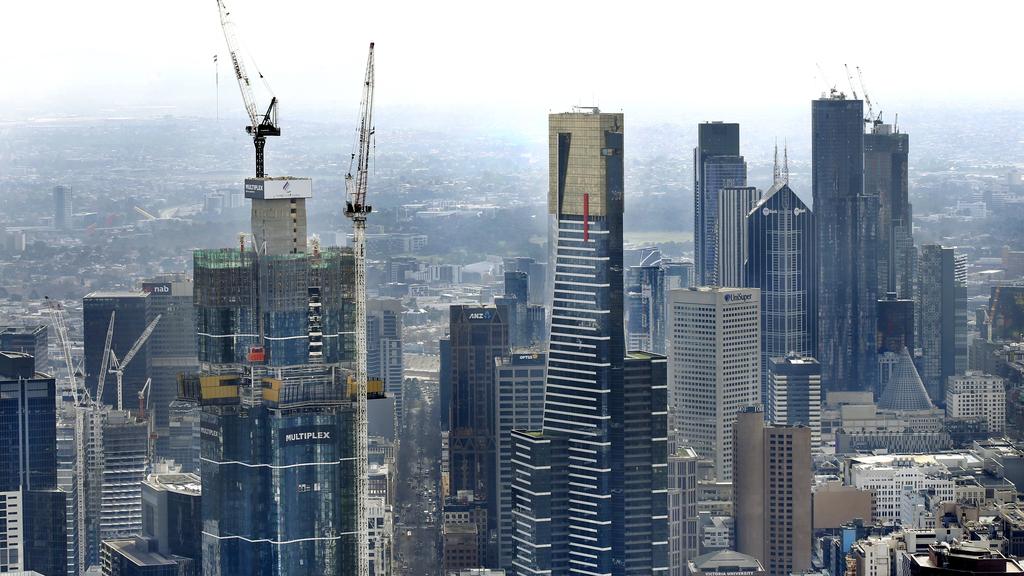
<point x="356" y="209"/>
<point x="259" y="128"/>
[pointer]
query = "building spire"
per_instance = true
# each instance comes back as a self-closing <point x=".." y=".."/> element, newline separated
<point x="776" y="175"/>
<point x="785" y="161"/>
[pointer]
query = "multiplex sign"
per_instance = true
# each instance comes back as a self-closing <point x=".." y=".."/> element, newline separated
<point x="278" y="188"/>
<point x="307" y="434"/>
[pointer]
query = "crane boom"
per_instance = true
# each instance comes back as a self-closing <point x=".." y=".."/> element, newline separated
<point x="356" y="209"/>
<point x="259" y="128"/>
<point x="60" y="326"/>
<point x="101" y="378"/>
<point x="122" y="365"/>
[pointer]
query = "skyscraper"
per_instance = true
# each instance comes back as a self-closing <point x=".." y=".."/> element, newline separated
<point x="847" y="231"/>
<point x="886" y="157"/>
<point x="794" y="393"/>
<point x="578" y="509"/>
<point x="942" y="313"/>
<point x="28" y="339"/>
<point x="479" y="334"/>
<point x="384" y="349"/>
<point x="781" y="251"/>
<point x="772" y="488"/>
<point x="645" y="307"/>
<point x="683" y="537"/>
<point x="716" y="164"/>
<point x="734" y="203"/>
<point x="519" y="404"/>
<point x="62" y="207"/>
<point x="171" y="349"/>
<point x="715" y="361"/>
<point x="32" y="509"/>
<point x="275" y="340"/>
<point x="129" y="323"/>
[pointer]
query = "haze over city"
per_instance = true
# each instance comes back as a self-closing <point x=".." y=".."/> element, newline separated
<point x="532" y="289"/>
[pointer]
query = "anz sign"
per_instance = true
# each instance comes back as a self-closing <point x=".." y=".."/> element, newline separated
<point x="481" y="315"/>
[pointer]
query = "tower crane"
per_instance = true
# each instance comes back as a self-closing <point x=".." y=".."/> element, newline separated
<point x="259" y="127"/>
<point x="101" y="378"/>
<point x="61" y="328"/>
<point x="357" y="210"/>
<point x="120" y="366"/>
<point x="871" y="119"/>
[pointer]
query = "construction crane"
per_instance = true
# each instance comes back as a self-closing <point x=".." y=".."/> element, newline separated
<point x="357" y="210"/>
<point x="120" y="366"/>
<point x="81" y="419"/>
<point x="259" y="127"/>
<point x="143" y="398"/>
<point x="871" y="119"/>
<point x="101" y="378"/>
<point x="61" y="328"/>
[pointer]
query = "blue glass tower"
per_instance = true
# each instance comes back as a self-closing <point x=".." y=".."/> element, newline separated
<point x="847" y="232"/>
<point x="275" y="338"/>
<point x="579" y="508"/>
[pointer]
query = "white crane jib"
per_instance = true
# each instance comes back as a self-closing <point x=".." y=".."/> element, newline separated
<point x="259" y="128"/>
<point x="101" y="378"/>
<point x="357" y="209"/>
<point x="120" y="366"/>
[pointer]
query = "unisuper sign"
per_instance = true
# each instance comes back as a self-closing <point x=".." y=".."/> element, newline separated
<point x="736" y="297"/>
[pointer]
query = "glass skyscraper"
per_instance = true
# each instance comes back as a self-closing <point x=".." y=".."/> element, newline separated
<point x="886" y="159"/>
<point x="847" y="239"/>
<point x="781" y="249"/>
<point x="589" y="489"/>
<point x="716" y="164"/>
<point x="275" y="338"/>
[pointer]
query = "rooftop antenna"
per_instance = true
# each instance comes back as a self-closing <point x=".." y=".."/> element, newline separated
<point x="785" y="162"/>
<point x="776" y="174"/>
<point x="216" y="77"/>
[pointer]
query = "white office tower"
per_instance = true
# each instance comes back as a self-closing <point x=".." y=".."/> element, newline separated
<point x="978" y="396"/>
<point x="714" y="366"/>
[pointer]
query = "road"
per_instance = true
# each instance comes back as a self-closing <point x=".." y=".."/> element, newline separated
<point x="418" y="512"/>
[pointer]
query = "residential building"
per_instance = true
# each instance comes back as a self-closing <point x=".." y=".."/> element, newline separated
<point x="942" y="317"/>
<point x="886" y="160"/>
<point x="715" y="364"/>
<point x="589" y="488"/>
<point x="772" y="482"/>
<point x="62" y="207"/>
<point x="384" y="350"/>
<point x="976" y="395"/>
<point x="794" y="393"/>
<point x="645" y="307"/>
<point x="683" y="535"/>
<point x="847" y="235"/>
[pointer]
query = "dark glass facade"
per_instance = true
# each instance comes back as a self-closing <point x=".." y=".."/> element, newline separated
<point x="278" y="443"/>
<point x="716" y="164"/>
<point x="129" y="323"/>
<point x="886" y="161"/>
<point x="847" y="232"/>
<point x="479" y="334"/>
<point x="781" y="261"/>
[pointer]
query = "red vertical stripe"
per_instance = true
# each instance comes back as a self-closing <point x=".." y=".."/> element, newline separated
<point x="586" y="217"/>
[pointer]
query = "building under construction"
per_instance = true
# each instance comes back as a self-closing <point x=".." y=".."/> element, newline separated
<point x="276" y="341"/>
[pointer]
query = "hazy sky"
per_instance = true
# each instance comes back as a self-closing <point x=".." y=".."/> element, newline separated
<point x="677" y="59"/>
